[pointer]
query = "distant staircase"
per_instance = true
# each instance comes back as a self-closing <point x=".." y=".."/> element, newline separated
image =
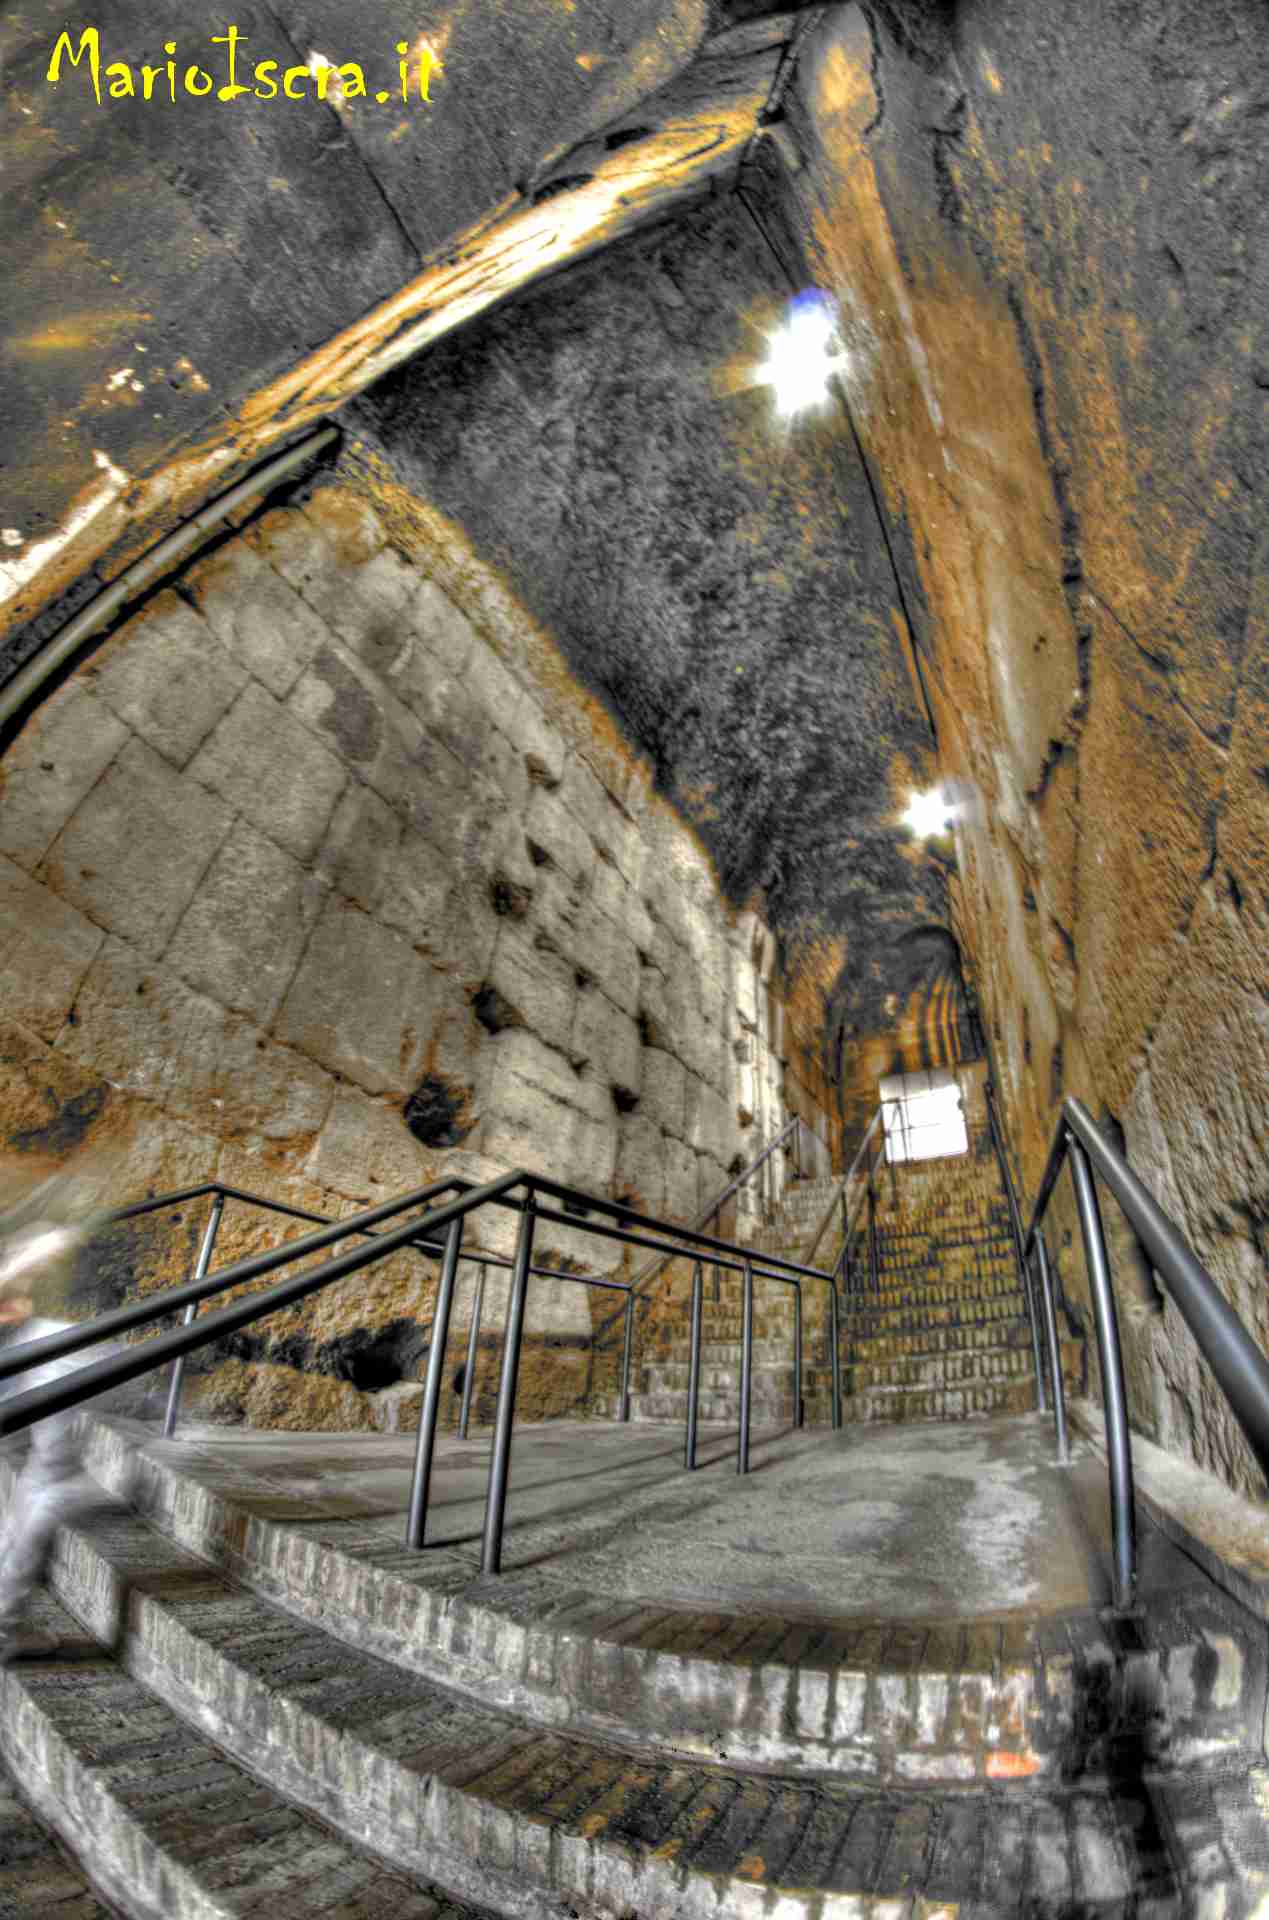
<point x="943" y="1336"/>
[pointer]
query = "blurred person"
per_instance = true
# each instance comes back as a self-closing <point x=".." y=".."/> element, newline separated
<point x="43" y="1224"/>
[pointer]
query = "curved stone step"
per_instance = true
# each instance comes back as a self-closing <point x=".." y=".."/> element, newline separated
<point x="918" y="1702"/>
<point x="160" y="1819"/>
<point x="514" y="1821"/>
<point x="39" y="1879"/>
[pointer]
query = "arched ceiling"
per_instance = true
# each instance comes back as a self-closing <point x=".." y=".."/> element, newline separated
<point x="181" y="299"/>
<point x="184" y="303"/>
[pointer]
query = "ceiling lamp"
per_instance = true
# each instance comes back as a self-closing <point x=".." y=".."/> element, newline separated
<point x="929" y="814"/>
<point x="802" y="355"/>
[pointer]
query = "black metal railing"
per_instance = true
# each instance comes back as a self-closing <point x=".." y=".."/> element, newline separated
<point x="1240" y="1368"/>
<point x="712" y="1215"/>
<point x="1045" y="1309"/>
<point x="520" y="1191"/>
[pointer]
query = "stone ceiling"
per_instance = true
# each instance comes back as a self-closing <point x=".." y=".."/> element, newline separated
<point x="185" y="303"/>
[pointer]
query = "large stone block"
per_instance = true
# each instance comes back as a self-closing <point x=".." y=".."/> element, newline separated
<point x="641" y="1164"/>
<point x="607" y="954"/>
<point x="60" y="754"/>
<point x="530" y="986"/>
<point x="497" y="694"/>
<point x="710" y="1126"/>
<point x="366" y="1152"/>
<point x="257" y="616"/>
<point x="620" y="903"/>
<point x="446" y="633"/>
<point x="167" y="678"/>
<point x="153" y="1036"/>
<point x="606" y="1041"/>
<point x="134" y="853"/>
<point x="552" y="828"/>
<point x="541" y="743"/>
<point x="244" y="930"/>
<point x="348" y="521"/>
<point x="680" y="1183"/>
<point x="447" y="919"/>
<point x="538" y="1113"/>
<point x="45" y="950"/>
<point x="363" y="1002"/>
<point x="343" y="703"/>
<point x="587" y="800"/>
<point x="265" y="763"/>
<point x="663" y="1091"/>
<point x="358" y="855"/>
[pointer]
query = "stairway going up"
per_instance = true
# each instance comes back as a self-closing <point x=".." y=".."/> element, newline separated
<point x="943" y="1335"/>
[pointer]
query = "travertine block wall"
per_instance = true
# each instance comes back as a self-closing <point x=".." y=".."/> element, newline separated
<point x="309" y="850"/>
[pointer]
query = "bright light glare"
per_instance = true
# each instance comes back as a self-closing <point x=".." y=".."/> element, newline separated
<point x="30" y="1251"/>
<point x="799" y="359"/>
<point x="928" y="814"/>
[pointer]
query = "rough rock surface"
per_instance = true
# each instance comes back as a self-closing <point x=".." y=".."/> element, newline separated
<point x="1048" y="233"/>
<point x="317" y="887"/>
<point x="717" y="577"/>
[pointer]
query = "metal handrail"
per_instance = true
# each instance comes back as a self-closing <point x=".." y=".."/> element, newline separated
<point x="713" y="1211"/>
<point x="1024" y="1276"/>
<point x="839" y="1198"/>
<point x="576" y="1210"/>
<point x="1240" y="1368"/>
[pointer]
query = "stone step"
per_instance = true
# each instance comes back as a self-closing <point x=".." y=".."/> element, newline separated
<point x="39" y="1879"/>
<point x="976" y="1366"/>
<point x="960" y="1308"/>
<point x="142" y="1772"/>
<point x="973" y="1402"/>
<point x="925" y="1700"/>
<point x="868" y="1346"/>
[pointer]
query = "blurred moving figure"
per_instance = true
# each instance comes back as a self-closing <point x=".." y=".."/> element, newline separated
<point x="43" y="1224"/>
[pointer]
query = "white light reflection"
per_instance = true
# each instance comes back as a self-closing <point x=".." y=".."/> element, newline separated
<point x="802" y="355"/>
<point x="929" y="814"/>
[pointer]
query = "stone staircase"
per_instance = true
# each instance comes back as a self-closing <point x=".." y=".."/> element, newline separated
<point x="269" y="1714"/>
<point x="944" y="1336"/>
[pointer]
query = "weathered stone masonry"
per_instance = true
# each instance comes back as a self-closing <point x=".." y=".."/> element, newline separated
<point x="313" y="879"/>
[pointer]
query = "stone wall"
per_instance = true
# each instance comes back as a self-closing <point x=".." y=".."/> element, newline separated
<point x="325" y="880"/>
<point x="1050" y="239"/>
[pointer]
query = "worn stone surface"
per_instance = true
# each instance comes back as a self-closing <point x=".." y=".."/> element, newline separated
<point x="1050" y="254"/>
<point x="338" y="914"/>
<point x="369" y="1742"/>
<point x="645" y="489"/>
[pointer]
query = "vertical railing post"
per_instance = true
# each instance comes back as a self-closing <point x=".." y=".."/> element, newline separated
<point x="797" y="1353"/>
<point x="694" y="1371"/>
<point x="836" y="1338"/>
<point x="500" y="1453"/>
<point x="200" y="1273"/>
<point x="746" y="1372"/>
<point x="626" y="1350"/>
<point x="473" y="1342"/>
<point x="1123" y="1517"/>
<point x="1055" y="1351"/>
<point x="874" y="1262"/>
<point x="715" y="1227"/>
<point x="429" y="1412"/>
<point x="1015" y="1228"/>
